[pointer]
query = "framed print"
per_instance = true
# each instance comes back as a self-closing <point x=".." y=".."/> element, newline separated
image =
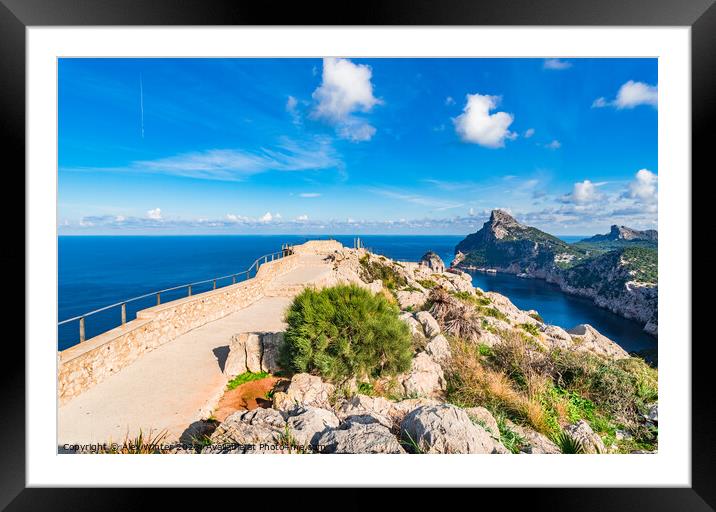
<point x="437" y="247"/>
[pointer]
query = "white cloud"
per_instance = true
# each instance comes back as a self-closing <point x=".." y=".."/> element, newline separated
<point x="476" y="125"/>
<point x="529" y="133"/>
<point x="266" y="217"/>
<point x="556" y="64"/>
<point x="643" y="187"/>
<point x="449" y="101"/>
<point x="236" y="218"/>
<point x="584" y="192"/>
<point x="309" y="194"/>
<point x="120" y="218"/>
<point x="356" y="131"/>
<point x="630" y="95"/>
<point x="346" y="88"/>
<point x="291" y="108"/>
<point x="302" y="218"/>
<point x="555" y="144"/>
<point x="155" y="214"/>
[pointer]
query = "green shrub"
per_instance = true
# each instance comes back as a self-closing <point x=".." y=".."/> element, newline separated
<point x="508" y="437"/>
<point x="345" y="331"/>
<point x="427" y="283"/>
<point x="372" y="270"/>
<point x="493" y="312"/>
<point x="530" y="328"/>
<point x="569" y="445"/>
<point x="474" y="300"/>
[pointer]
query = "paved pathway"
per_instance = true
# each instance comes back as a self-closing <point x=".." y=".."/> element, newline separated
<point x="171" y="386"/>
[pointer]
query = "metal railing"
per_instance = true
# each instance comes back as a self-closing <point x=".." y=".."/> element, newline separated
<point x="286" y="250"/>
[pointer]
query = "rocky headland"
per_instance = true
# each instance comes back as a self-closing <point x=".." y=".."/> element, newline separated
<point x="618" y="270"/>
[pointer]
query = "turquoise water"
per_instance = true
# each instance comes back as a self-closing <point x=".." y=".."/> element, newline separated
<point x="95" y="271"/>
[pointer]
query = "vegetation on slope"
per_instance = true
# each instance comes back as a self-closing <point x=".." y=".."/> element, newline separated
<point x="372" y="270"/>
<point x="550" y="389"/>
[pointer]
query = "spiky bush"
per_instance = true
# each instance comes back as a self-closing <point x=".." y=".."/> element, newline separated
<point x="345" y="331"/>
<point x="454" y="316"/>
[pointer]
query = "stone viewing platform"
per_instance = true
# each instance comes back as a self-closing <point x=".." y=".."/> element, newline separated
<point x="164" y="370"/>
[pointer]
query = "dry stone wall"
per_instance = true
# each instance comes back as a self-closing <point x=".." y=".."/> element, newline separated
<point x="86" y="364"/>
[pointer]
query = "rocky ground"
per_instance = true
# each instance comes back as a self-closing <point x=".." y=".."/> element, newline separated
<point x="406" y="413"/>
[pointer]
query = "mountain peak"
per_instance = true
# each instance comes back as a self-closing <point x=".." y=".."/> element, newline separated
<point x="500" y="223"/>
<point x="617" y="232"/>
<point x="502" y="216"/>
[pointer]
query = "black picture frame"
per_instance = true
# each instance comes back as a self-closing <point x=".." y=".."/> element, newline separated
<point x="17" y="15"/>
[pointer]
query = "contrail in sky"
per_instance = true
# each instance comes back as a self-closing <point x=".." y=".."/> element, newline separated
<point x="141" y="102"/>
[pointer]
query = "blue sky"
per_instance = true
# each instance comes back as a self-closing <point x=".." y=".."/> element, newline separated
<point x="342" y="146"/>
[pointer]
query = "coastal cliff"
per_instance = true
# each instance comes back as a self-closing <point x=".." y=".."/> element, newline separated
<point x="617" y="270"/>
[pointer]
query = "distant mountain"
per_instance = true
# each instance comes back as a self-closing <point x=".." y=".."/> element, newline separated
<point x="626" y="234"/>
<point x="507" y="245"/>
<point x="619" y="237"/>
<point x="617" y="270"/>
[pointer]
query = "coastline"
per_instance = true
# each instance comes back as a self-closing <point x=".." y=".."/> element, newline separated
<point x="647" y="326"/>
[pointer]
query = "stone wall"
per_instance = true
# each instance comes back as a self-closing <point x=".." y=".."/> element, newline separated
<point x="82" y="366"/>
<point x="318" y="247"/>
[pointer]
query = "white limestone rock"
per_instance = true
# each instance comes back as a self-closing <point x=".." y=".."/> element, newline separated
<point x="430" y="325"/>
<point x="425" y="378"/>
<point x="446" y="429"/>
<point x="583" y="433"/>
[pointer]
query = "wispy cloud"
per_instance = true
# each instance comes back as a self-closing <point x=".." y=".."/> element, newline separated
<point x="238" y="164"/>
<point x="309" y="194"/>
<point x="431" y="202"/>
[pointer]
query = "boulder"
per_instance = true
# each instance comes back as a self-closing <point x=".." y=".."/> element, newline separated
<point x="582" y="432"/>
<point x="485" y="419"/>
<point x="439" y="349"/>
<point x="425" y="378"/>
<point x="652" y="415"/>
<point x="556" y="337"/>
<point x="379" y="409"/>
<point x="304" y="390"/>
<point x="271" y="343"/>
<point x="534" y="442"/>
<point x="307" y="424"/>
<point x="588" y="338"/>
<point x="430" y="325"/>
<point x="446" y="429"/>
<point x="411" y="299"/>
<point x="253" y="352"/>
<point x="235" y="363"/>
<point x="415" y="328"/>
<point x="257" y="431"/>
<point x="356" y="437"/>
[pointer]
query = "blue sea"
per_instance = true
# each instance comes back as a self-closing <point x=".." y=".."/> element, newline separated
<point x="95" y="271"/>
